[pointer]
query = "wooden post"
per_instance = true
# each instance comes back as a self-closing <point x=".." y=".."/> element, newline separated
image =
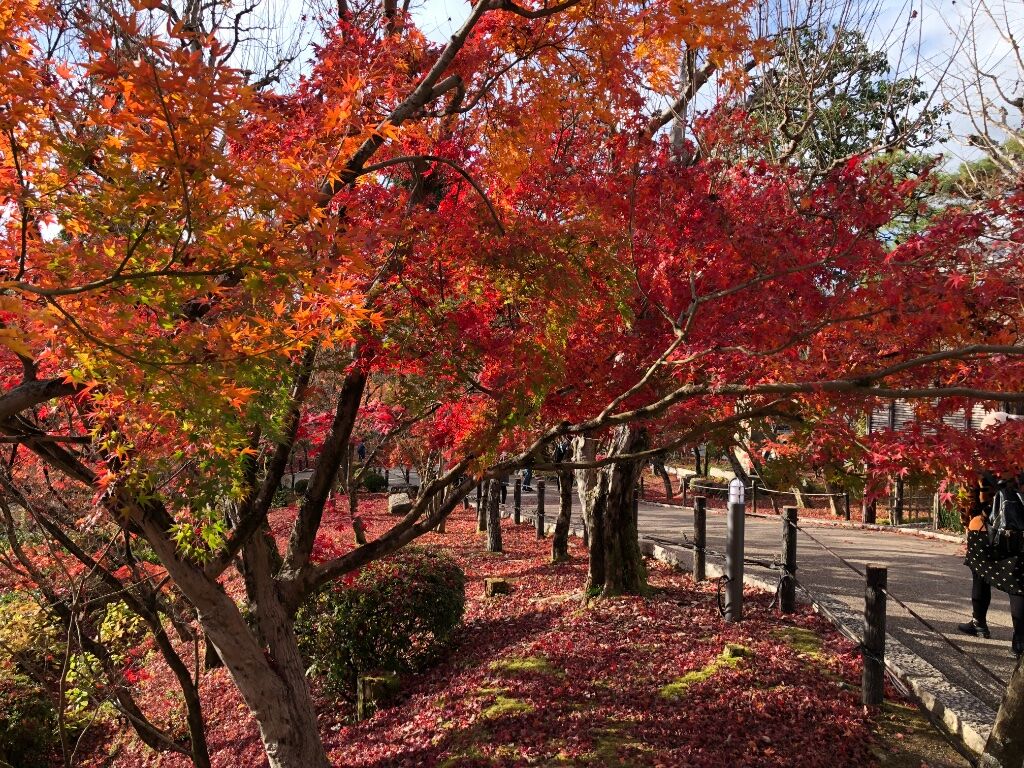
<point x="540" y="509"/>
<point x="873" y="681"/>
<point x="936" y="510"/>
<point x="787" y="590"/>
<point x="682" y="487"/>
<point x="517" y="501"/>
<point x="636" y="509"/>
<point x="753" y="495"/>
<point x="734" y="563"/>
<point x="700" y="537"/>
<point x="387" y="478"/>
<point x="373" y="692"/>
<point x="479" y="496"/>
<point x="846" y="504"/>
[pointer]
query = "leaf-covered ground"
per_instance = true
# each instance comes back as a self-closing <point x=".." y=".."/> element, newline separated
<point x="540" y="678"/>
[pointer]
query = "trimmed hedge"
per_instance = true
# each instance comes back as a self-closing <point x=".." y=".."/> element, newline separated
<point x="397" y="614"/>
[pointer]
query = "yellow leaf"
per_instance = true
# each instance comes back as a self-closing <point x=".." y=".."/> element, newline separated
<point x="15" y="341"/>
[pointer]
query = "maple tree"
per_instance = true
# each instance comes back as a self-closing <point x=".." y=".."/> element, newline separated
<point x="198" y="274"/>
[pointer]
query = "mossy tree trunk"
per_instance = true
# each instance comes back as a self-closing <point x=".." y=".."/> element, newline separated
<point x="623" y="565"/>
<point x="596" y="512"/>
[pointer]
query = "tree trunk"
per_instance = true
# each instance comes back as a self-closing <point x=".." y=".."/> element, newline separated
<point x="494" y="517"/>
<point x="597" y="507"/>
<point x="268" y="671"/>
<point x="435" y="505"/>
<point x="481" y="510"/>
<point x="625" y="573"/>
<point x="352" y="486"/>
<point x="1005" y="746"/>
<point x="659" y="469"/>
<point x="560" y="541"/>
<point x="584" y="449"/>
<point x="737" y="467"/>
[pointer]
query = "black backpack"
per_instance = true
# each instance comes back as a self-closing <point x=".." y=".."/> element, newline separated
<point x="1006" y="521"/>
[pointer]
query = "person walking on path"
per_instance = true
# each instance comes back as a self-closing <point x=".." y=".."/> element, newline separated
<point x="994" y="555"/>
<point x="527" y="479"/>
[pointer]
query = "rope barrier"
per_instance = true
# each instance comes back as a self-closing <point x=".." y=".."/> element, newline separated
<point x="723" y="488"/>
<point x="914" y="614"/>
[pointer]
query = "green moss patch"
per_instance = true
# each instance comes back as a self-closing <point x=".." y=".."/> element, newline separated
<point x="505" y="706"/>
<point x="520" y="665"/>
<point x="800" y="640"/>
<point x="731" y="657"/>
<point x="487" y="691"/>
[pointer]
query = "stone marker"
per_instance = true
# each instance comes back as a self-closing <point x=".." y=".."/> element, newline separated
<point x="399" y="504"/>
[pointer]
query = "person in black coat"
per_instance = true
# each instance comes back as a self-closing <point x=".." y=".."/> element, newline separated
<point x="994" y="557"/>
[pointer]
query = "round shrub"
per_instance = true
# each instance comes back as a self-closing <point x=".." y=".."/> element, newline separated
<point x="397" y="614"/>
<point x="374" y="483"/>
<point x="28" y="722"/>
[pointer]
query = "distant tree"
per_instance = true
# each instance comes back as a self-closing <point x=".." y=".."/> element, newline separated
<point x="825" y="96"/>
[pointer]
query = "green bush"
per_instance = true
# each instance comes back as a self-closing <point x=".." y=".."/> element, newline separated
<point x="28" y="722"/>
<point x="396" y="615"/>
<point x="374" y="483"/>
<point x="949" y="518"/>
